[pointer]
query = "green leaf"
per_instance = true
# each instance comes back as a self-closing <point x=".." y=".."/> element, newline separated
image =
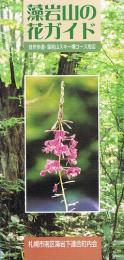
<point x="107" y="231"/>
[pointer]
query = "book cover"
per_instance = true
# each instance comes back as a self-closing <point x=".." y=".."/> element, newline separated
<point x="61" y="130"/>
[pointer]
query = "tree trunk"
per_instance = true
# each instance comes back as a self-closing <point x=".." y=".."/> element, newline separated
<point x="67" y="67"/>
<point x="2" y="31"/>
<point x="11" y="134"/>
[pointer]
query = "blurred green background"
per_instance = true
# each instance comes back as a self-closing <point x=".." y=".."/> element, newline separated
<point x="81" y="106"/>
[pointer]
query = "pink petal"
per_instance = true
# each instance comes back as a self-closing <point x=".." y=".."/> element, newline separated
<point x="72" y="171"/>
<point x="42" y="173"/>
<point x="55" y="188"/>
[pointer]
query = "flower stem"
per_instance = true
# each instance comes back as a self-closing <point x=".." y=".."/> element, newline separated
<point x="59" y="124"/>
<point x="63" y="192"/>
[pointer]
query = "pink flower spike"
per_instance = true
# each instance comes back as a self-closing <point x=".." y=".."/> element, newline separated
<point x="55" y="188"/>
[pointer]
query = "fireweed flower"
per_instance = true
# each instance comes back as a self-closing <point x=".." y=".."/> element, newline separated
<point x="67" y="151"/>
<point x="51" y="166"/>
<point x="55" y="188"/>
<point x="64" y="147"/>
<point x="72" y="171"/>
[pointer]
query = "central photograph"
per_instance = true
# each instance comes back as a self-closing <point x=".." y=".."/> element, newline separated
<point x="61" y="137"/>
